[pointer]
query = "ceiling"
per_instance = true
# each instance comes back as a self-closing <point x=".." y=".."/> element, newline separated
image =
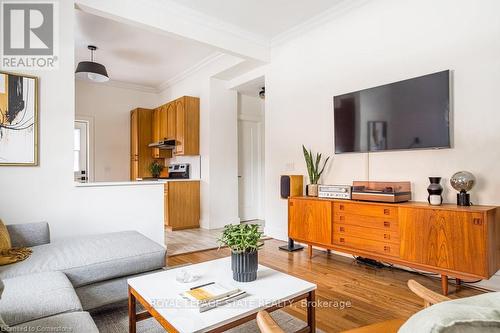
<point x="133" y="55"/>
<point x="267" y="18"/>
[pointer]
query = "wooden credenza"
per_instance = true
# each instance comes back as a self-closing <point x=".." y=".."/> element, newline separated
<point x="462" y="242"/>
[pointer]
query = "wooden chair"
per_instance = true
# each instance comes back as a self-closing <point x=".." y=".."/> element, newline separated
<point x="268" y="325"/>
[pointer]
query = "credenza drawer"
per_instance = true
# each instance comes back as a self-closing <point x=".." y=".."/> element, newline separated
<point x="385" y="223"/>
<point x="381" y="235"/>
<point x="388" y="249"/>
<point x="367" y="210"/>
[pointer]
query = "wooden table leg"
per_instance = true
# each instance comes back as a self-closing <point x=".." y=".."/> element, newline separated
<point x="310" y="251"/>
<point x="132" y="320"/>
<point x="444" y="284"/>
<point x="311" y="311"/>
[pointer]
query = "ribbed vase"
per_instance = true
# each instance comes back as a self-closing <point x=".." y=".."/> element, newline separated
<point x="244" y="266"/>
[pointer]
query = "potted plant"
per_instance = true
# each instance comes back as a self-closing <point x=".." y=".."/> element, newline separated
<point x="156" y="168"/>
<point x="244" y="240"/>
<point x="314" y="171"/>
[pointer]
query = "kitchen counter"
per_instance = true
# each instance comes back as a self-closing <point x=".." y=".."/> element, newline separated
<point x="134" y="183"/>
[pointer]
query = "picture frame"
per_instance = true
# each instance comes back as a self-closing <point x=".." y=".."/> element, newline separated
<point x="19" y="119"/>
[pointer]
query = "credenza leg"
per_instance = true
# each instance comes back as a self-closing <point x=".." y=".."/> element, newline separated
<point x="444" y="284"/>
<point x="310" y="251"/>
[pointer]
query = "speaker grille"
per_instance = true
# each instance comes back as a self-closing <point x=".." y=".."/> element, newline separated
<point x="285" y="187"/>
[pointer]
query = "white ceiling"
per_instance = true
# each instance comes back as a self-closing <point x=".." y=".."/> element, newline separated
<point x="267" y="18"/>
<point x="133" y="55"/>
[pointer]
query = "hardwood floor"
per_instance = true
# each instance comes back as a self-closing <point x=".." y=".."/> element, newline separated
<point x="374" y="295"/>
<point x="190" y="240"/>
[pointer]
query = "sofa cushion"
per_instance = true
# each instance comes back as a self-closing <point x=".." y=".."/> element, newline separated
<point x="35" y="296"/>
<point x="74" y="322"/>
<point x="91" y="259"/>
<point x="472" y="314"/>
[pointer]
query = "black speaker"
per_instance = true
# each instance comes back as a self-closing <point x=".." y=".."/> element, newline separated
<point x="291" y="186"/>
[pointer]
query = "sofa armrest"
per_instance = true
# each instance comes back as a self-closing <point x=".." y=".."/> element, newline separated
<point x="29" y="234"/>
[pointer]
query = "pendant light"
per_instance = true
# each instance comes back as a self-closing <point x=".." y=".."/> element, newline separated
<point x="90" y="70"/>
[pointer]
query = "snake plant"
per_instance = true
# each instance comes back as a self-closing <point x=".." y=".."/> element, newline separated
<point x="312" y="163"/>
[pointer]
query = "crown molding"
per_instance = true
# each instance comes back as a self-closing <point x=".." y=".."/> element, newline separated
<point x="122" y="85"/>
<point x="190" y="71"/>
<point x="340" y="9"/>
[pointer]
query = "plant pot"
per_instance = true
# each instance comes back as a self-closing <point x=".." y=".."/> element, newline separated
<point x="244" y="266"/>
<point x="312" y="190"/>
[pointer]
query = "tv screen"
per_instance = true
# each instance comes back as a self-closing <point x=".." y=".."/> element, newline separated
<point x="409" y="114"/>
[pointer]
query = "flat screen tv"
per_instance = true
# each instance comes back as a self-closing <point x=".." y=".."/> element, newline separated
<point x="409" y="114"/>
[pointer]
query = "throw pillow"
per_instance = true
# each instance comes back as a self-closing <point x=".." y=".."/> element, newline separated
<point x="8" y="255"/>
<point x="479" y="313"/>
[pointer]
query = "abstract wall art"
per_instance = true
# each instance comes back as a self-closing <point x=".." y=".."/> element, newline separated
<point x="18" y="119"/>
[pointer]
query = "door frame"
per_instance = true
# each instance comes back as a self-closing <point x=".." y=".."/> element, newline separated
<point x="89" y="120"/>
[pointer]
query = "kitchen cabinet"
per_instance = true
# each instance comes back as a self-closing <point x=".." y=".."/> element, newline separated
<point x="140" y="138"/>
<point x="187" y="129"/>
<point x="182" y="205"/>
<point x="158" y="132"/>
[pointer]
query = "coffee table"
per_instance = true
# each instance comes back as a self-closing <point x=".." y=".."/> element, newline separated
<point x="159" y="294"/>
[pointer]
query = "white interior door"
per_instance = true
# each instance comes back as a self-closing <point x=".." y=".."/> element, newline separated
<point x="81" y="151"/>
<point x="249" y="168"/>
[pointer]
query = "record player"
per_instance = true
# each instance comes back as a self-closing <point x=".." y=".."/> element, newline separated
<point x="381" y="191"/>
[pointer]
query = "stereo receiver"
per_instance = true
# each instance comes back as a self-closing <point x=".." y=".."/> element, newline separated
<point x="334" y="191"/>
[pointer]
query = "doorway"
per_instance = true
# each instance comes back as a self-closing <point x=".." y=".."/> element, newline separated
<point x="250" y="157"/>
<point x="83" y="150"/>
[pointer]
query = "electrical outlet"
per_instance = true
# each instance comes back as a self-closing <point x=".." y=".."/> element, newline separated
<point x="290" y="166"/>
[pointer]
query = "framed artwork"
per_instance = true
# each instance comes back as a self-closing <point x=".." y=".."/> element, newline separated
<point x="377" y="135"/>
<point x="18" y="119"/>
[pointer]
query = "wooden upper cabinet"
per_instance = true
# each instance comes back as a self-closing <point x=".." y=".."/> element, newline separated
<point x="159" y="126"/>
<point x="187" y="129"/>
<point x="453" y="240"/>
<point x="310" y="221"/>
<point x="169" y="120"/>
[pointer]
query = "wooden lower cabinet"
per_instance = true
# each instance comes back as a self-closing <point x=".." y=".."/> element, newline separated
<point x="182" y="205"/>
<point x="310" y="221"/>
<point x="463" y="242"/>
<point x="445" y="239"/>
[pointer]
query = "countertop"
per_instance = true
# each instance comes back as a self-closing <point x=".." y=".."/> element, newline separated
<point x="134" y="183"/>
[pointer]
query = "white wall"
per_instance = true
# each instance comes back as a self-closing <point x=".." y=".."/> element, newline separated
<point x="110" y="107"/>
<point x="214" y="104"/>
<point x="381" y="42"/>
<point x="47" y="192"/>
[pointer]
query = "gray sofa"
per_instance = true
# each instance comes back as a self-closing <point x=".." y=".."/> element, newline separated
<point x="62" y="280"/>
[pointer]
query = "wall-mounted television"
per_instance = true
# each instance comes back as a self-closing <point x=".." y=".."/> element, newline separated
<point x="409" y="114"/>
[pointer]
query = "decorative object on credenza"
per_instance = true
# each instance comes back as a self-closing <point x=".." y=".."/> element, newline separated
<point x="435" y="191"/>
<point x="244" y="240"/>
<point x="463" y="181"/>
<point x="156" y="168"/>
<point x="381" y="191"/>
<point x="18" y="119"/>
<point x="314" y="171"/>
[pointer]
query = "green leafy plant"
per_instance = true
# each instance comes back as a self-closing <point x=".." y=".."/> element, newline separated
<point x="312" y="163"/>
<point x="156" y="168"/>
<point x="241" y="238"/>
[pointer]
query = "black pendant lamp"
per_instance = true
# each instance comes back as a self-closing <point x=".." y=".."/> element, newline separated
<point x="90" y="70"/>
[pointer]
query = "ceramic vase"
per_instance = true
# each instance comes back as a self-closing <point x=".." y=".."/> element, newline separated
<point x="435" y="191"/>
